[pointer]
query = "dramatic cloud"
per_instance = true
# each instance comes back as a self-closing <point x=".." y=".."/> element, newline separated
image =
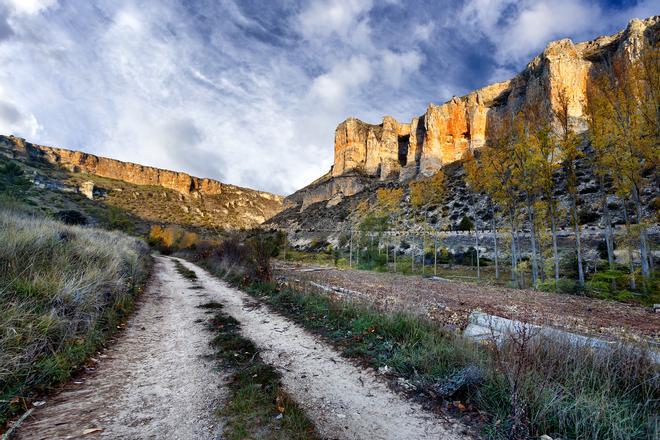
<point x="249" y="92"/>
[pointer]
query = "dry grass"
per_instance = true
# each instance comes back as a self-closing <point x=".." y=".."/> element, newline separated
<point x="61" y="289"/>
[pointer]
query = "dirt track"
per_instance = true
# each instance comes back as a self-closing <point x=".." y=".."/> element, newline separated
<point x="155" y="382"/>
<point x="450" y="302"/>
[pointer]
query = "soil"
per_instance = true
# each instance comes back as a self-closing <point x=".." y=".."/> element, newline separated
<point x="158" y="380"/>
<point x="450" y="302"/>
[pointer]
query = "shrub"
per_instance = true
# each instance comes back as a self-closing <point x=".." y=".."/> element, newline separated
<point x="61" y="289"/>
<point x="71" y="217"/>
<point x="465" y="224"/>
<point x="12" y="178"/>
<point x="389" y="198"/>
<point x="427" y="191"/>
<point x="171" y="239"/>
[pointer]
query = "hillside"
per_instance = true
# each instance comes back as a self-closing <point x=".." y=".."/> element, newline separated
<point x="395" y="156"/>
<point x="101" y="187"/>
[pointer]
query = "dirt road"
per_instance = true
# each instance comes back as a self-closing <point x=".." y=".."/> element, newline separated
<point x="155" y="382"/>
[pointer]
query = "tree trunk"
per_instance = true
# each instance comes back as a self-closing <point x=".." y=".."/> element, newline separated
<point x="494" y="228"/>
<point x="609" y="237"/>
<point x="555" y="253"/>
<point x="578" y="245"/>
<point x="532" y="237"/>
<point x="514" y="261"/>
<point x="435" y="255"/>
<point x="350" y="250"/>
<point x="631" y="265"/>
<point x="476" y="247"/>
<point x="643" y="240"/>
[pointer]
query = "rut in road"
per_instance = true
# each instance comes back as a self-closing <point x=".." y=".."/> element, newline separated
<point x="343" y="400"/>
<point x="154" y="383"/>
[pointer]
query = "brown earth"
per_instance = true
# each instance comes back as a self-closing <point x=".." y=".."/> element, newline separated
<point x="450" y="302"/>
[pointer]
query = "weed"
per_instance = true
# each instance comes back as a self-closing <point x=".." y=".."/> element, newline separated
<point x="529" y="388"/>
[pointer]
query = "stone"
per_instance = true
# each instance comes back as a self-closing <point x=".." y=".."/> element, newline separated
<point x="87" y="189"/>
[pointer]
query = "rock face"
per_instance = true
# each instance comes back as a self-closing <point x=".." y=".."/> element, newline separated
<point x="150" y="195"/>
<point x="79" y="162"/>
<point x="445" y="132"/>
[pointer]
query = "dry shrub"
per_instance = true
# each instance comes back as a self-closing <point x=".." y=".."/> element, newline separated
<point x="389" y="198"/>
<point x="171" y="238"/>
<point x="561" y="387"/>
<point x="59" y="287"/>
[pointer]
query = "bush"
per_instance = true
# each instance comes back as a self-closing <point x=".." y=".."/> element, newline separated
<point x="428" y="190"/>
<point x="12" y="179"/>
<point x="62" y="289"/>
<point x="465" y="224"/>
<point x="71" y="217"/>
<point x="171" y="239"/>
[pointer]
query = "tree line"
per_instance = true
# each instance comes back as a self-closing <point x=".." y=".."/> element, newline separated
<point x="533" y="155"/>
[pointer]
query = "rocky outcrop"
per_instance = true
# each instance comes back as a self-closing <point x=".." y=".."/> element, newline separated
<point x="445" y="132"/>
<point x="79" y="162"/>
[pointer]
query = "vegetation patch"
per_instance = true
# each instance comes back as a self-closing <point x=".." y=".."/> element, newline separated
<point x="258" y="407"/>
<point x="184" y="271"/>
<point x="63" y="291"/>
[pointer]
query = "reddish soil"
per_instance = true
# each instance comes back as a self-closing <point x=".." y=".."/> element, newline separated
<point x="450" y="302"/>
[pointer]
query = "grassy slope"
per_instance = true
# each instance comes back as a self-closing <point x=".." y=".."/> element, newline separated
<point x="526" y="389"/>
<point x="63" y="291"/>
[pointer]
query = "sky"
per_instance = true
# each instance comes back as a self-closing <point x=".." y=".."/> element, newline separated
<point x="250" y="92"/>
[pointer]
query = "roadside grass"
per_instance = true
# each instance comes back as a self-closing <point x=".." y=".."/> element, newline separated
<point x="526" y="387"/>
<point x="63" y="291"/>
<point x="258" y="407"/>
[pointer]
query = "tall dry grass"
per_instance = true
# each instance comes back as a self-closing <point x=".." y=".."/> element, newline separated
<point x="61" y="289"/>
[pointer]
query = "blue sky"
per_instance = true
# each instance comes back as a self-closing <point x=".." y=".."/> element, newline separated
<point x="250" y="92"/>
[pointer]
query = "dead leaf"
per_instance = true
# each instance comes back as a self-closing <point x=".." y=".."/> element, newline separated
<point x="91" y="430"/>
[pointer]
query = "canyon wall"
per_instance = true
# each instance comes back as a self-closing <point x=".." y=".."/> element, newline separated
<point x="445" y="132"/>
<point x="79" y="162"/>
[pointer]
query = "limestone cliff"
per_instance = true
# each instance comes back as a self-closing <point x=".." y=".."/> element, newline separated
<point x="79" y="162"/>
<point x="445" y="132"/>
<point x="152" y="195"/>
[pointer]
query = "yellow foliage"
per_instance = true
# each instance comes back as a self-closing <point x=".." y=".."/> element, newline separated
<point x="172" y="237"/>
<point x="389" y="198"/>
<point x="429" y="190"/>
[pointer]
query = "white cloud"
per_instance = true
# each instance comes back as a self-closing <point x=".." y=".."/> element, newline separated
<point x="332" y="87"/>
<point x="423" y="32"/>
<point x="341" y="17"/>
<point x="396" y="66"/>
<point x="29" y="7"/>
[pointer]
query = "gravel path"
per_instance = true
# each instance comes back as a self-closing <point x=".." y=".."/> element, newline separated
<point x="153" y="383"/>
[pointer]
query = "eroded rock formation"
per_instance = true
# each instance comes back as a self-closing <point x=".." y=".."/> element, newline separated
<point x="445" y="132"/>
<point x="79" y="162"/>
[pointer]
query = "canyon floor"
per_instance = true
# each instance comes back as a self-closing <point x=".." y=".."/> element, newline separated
<point x="449" y="302"/>
<point x="158" y="381"/>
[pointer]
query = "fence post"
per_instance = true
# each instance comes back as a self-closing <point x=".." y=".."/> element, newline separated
<point x="350" y="249"/>
<point x="423" y="252"/>
<point x="435" y="255"/>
